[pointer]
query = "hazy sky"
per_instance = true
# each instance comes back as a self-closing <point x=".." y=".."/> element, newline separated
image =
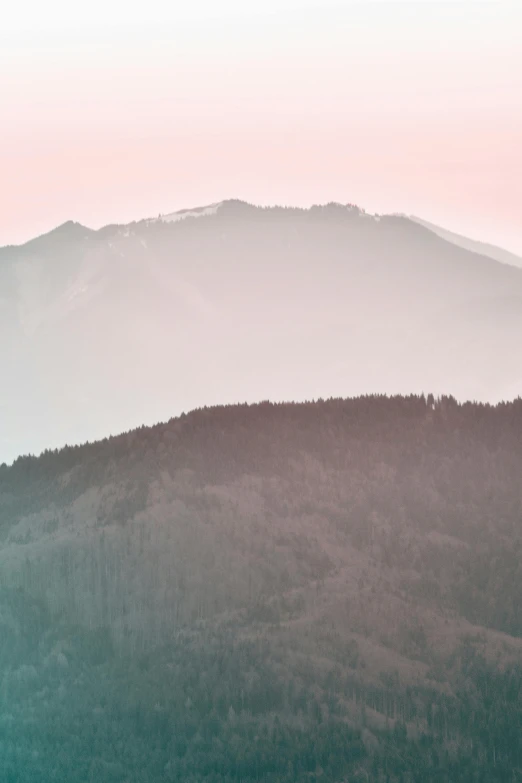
<point x="115" y="110"/>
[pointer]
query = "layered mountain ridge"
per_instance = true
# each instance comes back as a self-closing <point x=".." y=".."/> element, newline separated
<point x="104" y="330"/>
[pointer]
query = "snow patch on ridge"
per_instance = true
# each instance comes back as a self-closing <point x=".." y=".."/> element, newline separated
<point x="182" y="214"/>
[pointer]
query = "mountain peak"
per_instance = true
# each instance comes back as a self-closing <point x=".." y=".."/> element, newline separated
<point x="183" y="214"/>
<point x="228" y="205"/>
<point x="241" y="207"/>
<point x="68" y="231"/>
<point x="69" y="228"/>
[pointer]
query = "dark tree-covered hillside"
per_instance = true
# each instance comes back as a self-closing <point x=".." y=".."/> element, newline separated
<point x="325" y="591"/>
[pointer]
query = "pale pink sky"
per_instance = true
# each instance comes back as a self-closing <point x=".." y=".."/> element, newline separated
<point x="126" y="109"/>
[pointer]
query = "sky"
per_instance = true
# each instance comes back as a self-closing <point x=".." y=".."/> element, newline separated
<point x="113" y="111"/>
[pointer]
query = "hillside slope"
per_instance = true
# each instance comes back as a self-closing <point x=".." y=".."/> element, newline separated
<point x="482" y="248"/>
<point x="272" y="592"/>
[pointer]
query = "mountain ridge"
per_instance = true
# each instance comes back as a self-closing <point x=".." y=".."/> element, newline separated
<point x="105" y="330"/>
<point x="477" y="246"/>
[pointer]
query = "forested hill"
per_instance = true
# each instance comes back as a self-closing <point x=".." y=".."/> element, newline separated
<point x="415" y="483"/>
<point x="274" y="592"/>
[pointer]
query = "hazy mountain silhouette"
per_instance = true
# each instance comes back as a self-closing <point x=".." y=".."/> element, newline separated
<point x="483" y="248"/>
<point x="104" y="330"/>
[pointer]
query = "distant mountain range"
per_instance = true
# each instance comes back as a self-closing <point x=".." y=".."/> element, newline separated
<point x="102" y="331"/>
